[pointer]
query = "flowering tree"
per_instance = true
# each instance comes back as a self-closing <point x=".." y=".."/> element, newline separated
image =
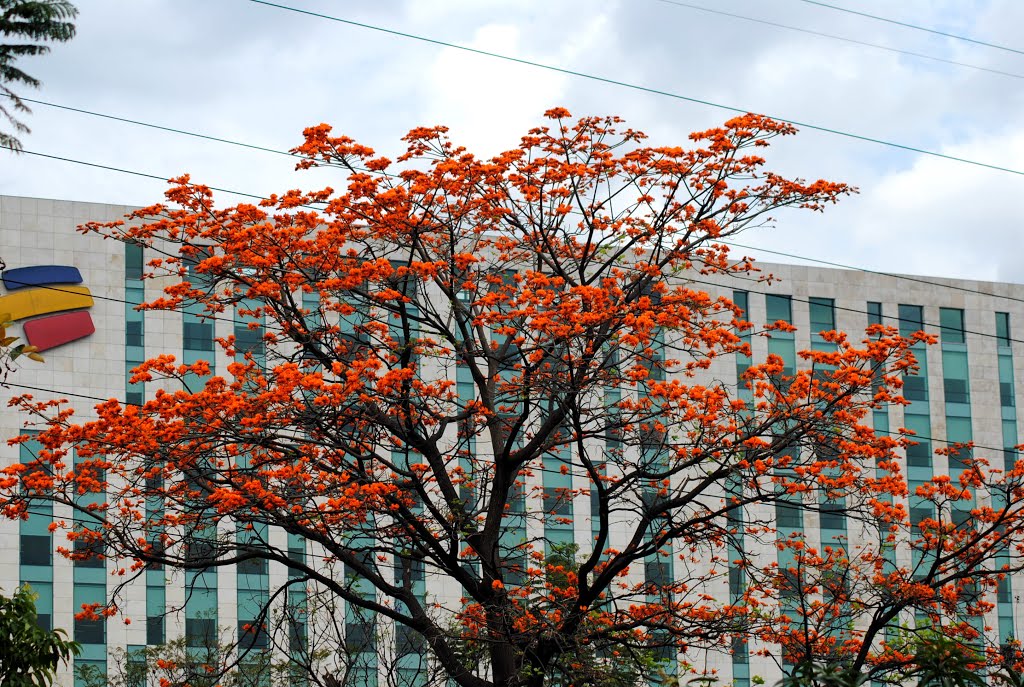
<point x="483" y="392"/>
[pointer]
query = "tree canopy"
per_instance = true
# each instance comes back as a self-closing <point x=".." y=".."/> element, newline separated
<point x="489" y="394"/>
<point x="31" y="655"/>
<point x="27" y="22"/>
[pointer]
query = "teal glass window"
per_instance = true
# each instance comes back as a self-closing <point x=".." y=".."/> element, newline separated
<point x="920" y="454"/>
<point x="823" y="314"/>
<point x="249" y="341"/>
<point x="915" y="388"/>
<point x="133" y="261"/>
<point x="788" y="516"/>
<point x="832" y="516"/>
<point x="779" y="308"/>
<point x="1003" y="328"/>
<point x="956" y="390"/>
<point x="198" y="336"/>
<point x="951" y="322"/>
<point x="252" y="566"/>
<point x="200" y="632"/>
<point x="742" y="301"/>
<point x="133" y="333"/>
<point x="735" y="582"/>
<point x="360" y="637"/>
<point x="90" y="631"/>
<point x="656" y="572"/>
<point x="35" y="549"/>
<point x="251" y="635"/>
<point x="911" y="319"/>
<point x="91" y="549"/>
<point x="955" y="376"/>
<point x="874" y="312"/>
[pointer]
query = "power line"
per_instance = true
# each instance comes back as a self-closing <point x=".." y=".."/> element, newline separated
<point x="183" y="132"/>
<point x="271" y="150"/>
<point x="844" y="39"/>
<point x="916" y="27"/>
<point x="696" y="281"/>
<point x="127" y="171"/>
<point x="904" y="277"/>
<point x="156" y="126"/>
<point x="644" y="89"/>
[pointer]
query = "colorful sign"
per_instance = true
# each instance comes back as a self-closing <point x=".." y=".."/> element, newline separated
<point x="44" y="289"/>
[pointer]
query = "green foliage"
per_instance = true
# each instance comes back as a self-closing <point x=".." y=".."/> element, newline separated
<point x="219" y="662"/>
<point x="28" y="22"/>
<point x="31" y="655"/>
<point x="942" y="661"/>
<point x="829" y="675"/>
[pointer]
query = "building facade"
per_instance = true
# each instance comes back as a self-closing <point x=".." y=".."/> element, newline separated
<point x="967" y="391"/>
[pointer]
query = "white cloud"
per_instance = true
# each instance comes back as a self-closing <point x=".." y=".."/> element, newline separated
<point x="259" y="75"/>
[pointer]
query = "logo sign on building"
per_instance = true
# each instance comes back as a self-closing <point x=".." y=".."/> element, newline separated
<point x="33" y="293"/>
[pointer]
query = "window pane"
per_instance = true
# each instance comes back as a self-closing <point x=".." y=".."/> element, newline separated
<point x="656" y="573"/>
<point x="920" y="454"/>
<point x="133" y="333"/>
<point x="742" y="301"/>
<point x="915" y="389"/>
<point x="155" y="630"/>
<point x="408" y="641"/>
<point x="833" y="516"/>
<point x="200" y="632"/>
<point x="35" y="549"/>
<point x="90" y="631"/>
<point x="132" y="261"/>
<point x="788" y="516"/>
<point x="252" y="566"/>
<point x="823" y="314"/>
<point x="951" y="321"/>
<point x="249" y="341"/>
<point x="1003" y="328"/>
<point x="94" y="549"/>
<point x="911" y="319"/>
<point x="956" y="390"/>
<point x="557" y="501"/>
<point x="251" y="635"/>
<point x="359" y="637"/>
<point x="735" y="582"/>
<point x="1006" y="394"/>
<point x="198" y="336"/>
<point x="779" y="308"/>
<point x="874" y="312"/>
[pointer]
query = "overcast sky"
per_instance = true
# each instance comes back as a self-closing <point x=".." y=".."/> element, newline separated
<point x="259" y="75"/>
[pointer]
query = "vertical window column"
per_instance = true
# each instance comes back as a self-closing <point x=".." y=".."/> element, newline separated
<point x="297" y="610"/>
<point x="201" y="617"/>
<point x="36" y="547"/>
<point x="917" y="418"/>
<point x="737" y="581"/>
<point x="89" y="576"/>
<point x="1011" y="438"/>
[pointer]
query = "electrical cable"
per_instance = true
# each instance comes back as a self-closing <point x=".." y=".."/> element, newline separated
<point x="697" y="281"/>
<point x="645" y="89"/>
<point x="893" y="275"/>
<point x="247" y="145"/>
<point x="125" y="171"/>
<point x="832" y="36"/>
<point x="916" y="27"/>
